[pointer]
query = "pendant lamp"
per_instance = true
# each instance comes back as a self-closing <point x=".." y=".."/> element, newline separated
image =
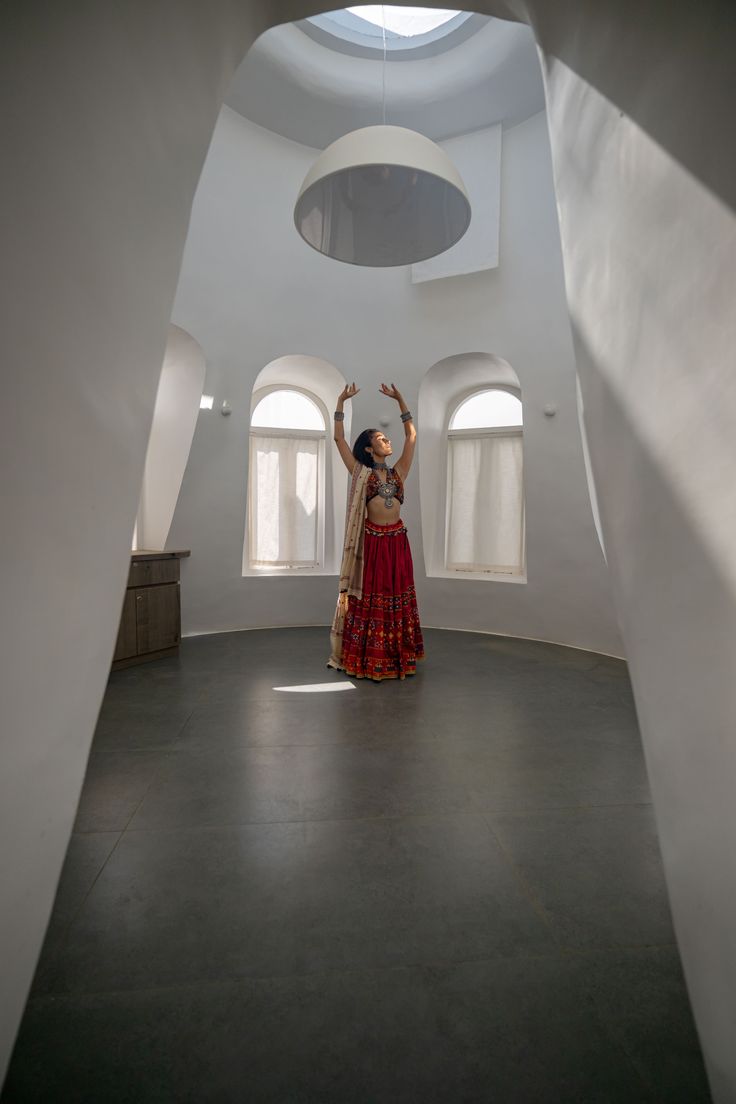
<point x="382" y="196"/>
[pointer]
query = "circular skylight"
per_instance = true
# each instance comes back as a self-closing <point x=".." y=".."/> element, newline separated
<point x="406" y="22"/>
<point x="415" y="31"/>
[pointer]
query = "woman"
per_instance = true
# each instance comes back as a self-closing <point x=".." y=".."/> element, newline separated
<point x="376" y="632"/>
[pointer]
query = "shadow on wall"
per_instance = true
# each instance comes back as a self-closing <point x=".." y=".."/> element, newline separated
<point x="592" y="493"/>
<point x="698" y="38"/>
<point x="677" y="579"/>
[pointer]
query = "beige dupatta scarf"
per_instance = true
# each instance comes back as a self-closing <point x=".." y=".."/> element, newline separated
<point x="351" y="569"/>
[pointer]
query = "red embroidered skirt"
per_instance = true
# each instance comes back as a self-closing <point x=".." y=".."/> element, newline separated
<point x="382" y="637"/>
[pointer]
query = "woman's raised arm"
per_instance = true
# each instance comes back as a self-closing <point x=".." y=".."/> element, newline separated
<point x="348" y="392"/>
<point x="403" y="464"/>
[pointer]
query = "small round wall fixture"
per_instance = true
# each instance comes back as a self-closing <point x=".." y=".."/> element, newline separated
<point x="382" y="196"/>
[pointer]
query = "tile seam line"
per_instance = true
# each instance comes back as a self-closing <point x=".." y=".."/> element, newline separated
<point x="558" y="954"/>
<point x="523" y="883"/>
<point x="66" y="929"/>
<point x="233" y="825"/>
<point x="121" y="832"/>
<point x="472" y="810"/>
<point x="431" y="740"/>
<point x="582" y="808"/>
<point x="155" y="775"/>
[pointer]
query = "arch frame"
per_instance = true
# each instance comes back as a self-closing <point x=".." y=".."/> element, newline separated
<point x="510" y="389"/>
<point x="261" y="393"/>
<point x="286" y="372"/>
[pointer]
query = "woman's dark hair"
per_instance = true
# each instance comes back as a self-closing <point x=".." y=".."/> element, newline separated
<point x="360" y="446"/>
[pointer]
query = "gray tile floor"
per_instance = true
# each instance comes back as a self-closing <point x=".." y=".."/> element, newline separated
<point x="447" y="889"/>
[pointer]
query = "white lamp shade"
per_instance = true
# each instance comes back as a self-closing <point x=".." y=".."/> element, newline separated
<point x="382" y="196"/>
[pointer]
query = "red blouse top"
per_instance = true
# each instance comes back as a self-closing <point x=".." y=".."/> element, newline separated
<point x="374" y="483"/>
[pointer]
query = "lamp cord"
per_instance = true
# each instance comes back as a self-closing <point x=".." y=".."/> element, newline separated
<point x="383" y="71"/>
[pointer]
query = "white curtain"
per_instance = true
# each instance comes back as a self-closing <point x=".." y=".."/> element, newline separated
<point x="283" y="494"/>
<point x="485" y="504"/>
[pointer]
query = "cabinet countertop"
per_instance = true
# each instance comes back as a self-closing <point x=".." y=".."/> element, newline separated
<point x="150" y="554"/>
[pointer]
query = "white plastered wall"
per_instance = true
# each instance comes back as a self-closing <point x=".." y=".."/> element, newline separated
<point x="650" y="261"/>
<point x="104" y="145"/>
<point x="174" y="418"/>
<point x="373" y="326"/>
<point x="112" y="143"/>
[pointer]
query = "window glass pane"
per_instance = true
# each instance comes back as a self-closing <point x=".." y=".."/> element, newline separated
<point x="287" y="410"/>
<point x="284" y="483"/>
<point x="485" y="494"/>
<point x="487" y="410"/>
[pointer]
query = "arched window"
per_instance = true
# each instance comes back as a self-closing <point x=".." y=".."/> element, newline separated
<point x="286" y="480"/>
<point x="485" y="486"/>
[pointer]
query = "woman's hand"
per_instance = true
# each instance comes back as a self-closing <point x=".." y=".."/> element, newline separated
<point x="391" y="392"/>
<point x="349" y="391"/>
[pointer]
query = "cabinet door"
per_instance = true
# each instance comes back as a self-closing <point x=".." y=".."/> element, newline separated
<point x="151" y="572"/>
<point x="126" y="645"/>
<point x="157" y="617"/>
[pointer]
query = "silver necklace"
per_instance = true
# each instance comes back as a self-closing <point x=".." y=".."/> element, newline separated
<point x="388" y="489"/>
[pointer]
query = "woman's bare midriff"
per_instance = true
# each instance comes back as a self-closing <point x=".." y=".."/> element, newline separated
<point x="379" y="514"/>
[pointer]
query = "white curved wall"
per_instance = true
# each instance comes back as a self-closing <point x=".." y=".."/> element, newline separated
<point x="174" y="418"/>
<point x="650" y="260"/>
<point x="104" y="146"/>
<point x="305" y="91"/>
<point x="375" y="325"/>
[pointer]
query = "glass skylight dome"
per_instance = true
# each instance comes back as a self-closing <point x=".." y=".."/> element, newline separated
<point x="406" y="28"/>
<point x="406" y="22"/>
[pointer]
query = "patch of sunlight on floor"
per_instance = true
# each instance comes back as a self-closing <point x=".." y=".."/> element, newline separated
<point x="316" y="688"/>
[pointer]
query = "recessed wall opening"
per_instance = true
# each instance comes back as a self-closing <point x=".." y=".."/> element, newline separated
<point x="286" y="469"/>
<point x="475" y="528"/>
<point x="295" y="498"/>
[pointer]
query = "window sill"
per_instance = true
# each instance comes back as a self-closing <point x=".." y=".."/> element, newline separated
<point x="287" y="572"/>
<point x="477" y="576"/>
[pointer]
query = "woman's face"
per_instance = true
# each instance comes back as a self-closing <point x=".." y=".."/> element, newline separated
<point x="380" y="446"/>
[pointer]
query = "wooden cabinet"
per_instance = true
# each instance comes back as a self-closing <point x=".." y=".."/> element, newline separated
<point x="150" y="626"/>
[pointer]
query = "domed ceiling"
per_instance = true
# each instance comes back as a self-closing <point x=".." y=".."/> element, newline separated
<point x="315" y="80"/>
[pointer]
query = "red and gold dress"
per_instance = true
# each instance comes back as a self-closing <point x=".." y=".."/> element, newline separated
<point x="381" y="637"/>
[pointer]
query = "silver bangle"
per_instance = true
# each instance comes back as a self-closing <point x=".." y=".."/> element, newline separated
<point x="406" y="417"/>
<point x="339" y="415"/>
